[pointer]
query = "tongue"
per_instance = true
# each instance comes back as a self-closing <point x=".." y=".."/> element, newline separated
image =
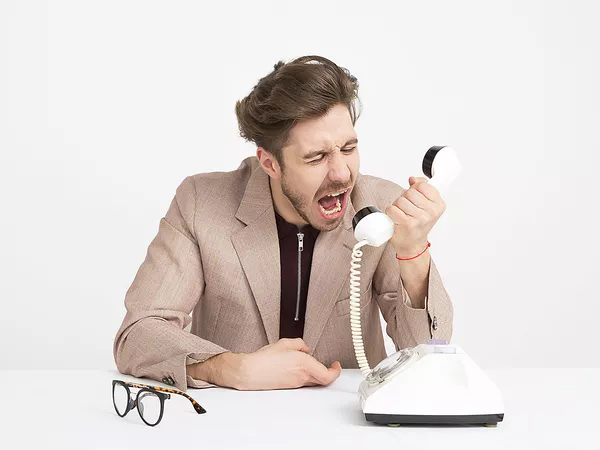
<point x="328" y="202"/>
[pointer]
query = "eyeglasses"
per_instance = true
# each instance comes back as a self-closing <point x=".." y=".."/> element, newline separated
<point x="149" y="401"/>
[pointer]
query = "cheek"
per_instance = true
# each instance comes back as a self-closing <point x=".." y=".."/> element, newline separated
<point x="355" y="165"/>
<point x="312" y="184"/>
<point x="304" y="187"/>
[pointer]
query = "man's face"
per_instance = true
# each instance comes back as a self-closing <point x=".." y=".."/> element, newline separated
<point x="322" y="159"/>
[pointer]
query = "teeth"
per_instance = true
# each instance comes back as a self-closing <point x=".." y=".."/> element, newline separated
<point x="338" y="205"/>
<point x="339" y="193"/>
<point x="337" y="208"/>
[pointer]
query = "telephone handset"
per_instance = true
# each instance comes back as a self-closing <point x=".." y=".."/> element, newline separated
<point x="374" y="227"/>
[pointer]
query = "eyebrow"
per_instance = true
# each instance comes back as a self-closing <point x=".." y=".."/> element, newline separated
<point x="320" y="152"/>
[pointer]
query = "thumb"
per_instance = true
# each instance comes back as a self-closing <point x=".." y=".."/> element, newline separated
<point x="335" y="370"/>
<point x="413" y="180"/>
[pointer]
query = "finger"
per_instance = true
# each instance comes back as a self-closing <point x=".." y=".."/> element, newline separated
<point x="406" y="206"/>
<point x="429" y="192"/>
<point x="296" y="344"/>
<point x="305" y="349"/>
<point x="322" y="374"/>
<point x="334" y="372"/>
<point x="398" y="216"/>
<point x="417" y="198"/>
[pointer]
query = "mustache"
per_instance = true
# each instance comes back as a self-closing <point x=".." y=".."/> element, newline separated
<point x="333" y="189"/>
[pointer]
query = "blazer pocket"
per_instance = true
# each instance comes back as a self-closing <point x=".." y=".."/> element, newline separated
<point x="342" y="307"/>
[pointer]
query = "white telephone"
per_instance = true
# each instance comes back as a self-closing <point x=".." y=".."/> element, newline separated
<point x="432" y="383"/>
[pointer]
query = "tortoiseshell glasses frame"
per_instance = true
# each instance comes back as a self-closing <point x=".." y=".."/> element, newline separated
<point x="160" y="392"/>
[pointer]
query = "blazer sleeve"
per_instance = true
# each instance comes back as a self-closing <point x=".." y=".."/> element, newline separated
<point x="151" y="341"/>
<point x="408" y="326"/>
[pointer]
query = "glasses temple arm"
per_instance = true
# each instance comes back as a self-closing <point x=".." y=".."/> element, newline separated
<point x="199" y="409"/>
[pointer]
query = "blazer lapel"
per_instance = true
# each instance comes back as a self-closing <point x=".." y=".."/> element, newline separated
<point x="257" y="246"/>
<point x="330" y="274"/>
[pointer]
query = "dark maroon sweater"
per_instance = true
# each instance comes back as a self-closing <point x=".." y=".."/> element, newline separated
<point x="294" y="242"/>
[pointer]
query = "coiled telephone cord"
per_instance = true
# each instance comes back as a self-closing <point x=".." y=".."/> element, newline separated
<point x="357" y="341"/>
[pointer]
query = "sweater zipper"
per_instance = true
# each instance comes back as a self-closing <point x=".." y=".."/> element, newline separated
<point x="300" y="249"/>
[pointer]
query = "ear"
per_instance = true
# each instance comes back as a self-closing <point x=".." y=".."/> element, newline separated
<point x="268" y="163"/>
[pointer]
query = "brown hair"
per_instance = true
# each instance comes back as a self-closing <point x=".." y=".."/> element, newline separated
<point x="305" y="88"/>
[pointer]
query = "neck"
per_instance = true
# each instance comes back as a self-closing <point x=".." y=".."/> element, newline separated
<point x="283" y="206"/>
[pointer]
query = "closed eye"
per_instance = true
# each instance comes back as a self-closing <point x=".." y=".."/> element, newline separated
<point x="344" y="150"/>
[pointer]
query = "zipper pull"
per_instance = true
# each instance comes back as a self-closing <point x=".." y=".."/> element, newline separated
<point x="300" y="241"/>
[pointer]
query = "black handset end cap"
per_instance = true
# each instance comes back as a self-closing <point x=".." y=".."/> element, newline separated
<point x="428" y="159"/>
<point x="363" y="213"/>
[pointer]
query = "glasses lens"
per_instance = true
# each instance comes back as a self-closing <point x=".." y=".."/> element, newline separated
<point x="149" y="407"/>
<point x="120" y="398"/>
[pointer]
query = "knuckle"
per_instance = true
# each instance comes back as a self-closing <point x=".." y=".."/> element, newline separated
<point x="424" y="188"/>
<point x="404" y="202"/>
<point x="286" y="342"/>
<point x="296" y="343"/>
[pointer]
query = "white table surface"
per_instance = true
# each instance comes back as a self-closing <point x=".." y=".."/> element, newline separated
<point x="544" y="408"/>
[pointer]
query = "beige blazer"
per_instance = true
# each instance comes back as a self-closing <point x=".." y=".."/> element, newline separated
<point x="214" y="263"/>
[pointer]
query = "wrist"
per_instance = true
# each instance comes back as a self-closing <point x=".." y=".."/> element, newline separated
<point x="412" y="251"/>
<point x="223" y="370"/>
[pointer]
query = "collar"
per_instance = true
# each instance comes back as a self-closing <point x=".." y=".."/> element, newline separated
<point x="285" y="228"/>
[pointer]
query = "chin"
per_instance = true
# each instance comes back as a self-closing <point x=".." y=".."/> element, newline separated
<point x="330" y="226"/>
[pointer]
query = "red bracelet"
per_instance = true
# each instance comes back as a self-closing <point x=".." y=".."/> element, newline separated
<point x="407" y="259"/>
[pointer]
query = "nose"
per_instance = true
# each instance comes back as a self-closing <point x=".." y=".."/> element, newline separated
<point x="338" y="169"/>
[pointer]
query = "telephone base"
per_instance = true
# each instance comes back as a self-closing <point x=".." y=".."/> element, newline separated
<point x="430" y="384"/>
<point x="395" y="419"/>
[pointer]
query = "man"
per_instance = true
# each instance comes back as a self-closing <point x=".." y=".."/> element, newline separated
<point x="260" y="256"/>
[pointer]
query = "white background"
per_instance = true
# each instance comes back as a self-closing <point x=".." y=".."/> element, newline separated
<point x="105" y="107"/>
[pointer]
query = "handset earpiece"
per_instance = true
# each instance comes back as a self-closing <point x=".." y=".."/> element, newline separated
<point x="373" y="227"/>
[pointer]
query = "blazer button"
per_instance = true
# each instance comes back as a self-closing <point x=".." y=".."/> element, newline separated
<point x="435" y="325"/>
<point x="171" y="381"/>
<point x="165" y="380"/>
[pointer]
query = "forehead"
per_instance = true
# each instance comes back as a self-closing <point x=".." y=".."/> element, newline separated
<point x="322" y="133"/>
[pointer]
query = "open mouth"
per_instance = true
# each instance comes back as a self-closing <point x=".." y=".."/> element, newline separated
<point x="331" y="206"/>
